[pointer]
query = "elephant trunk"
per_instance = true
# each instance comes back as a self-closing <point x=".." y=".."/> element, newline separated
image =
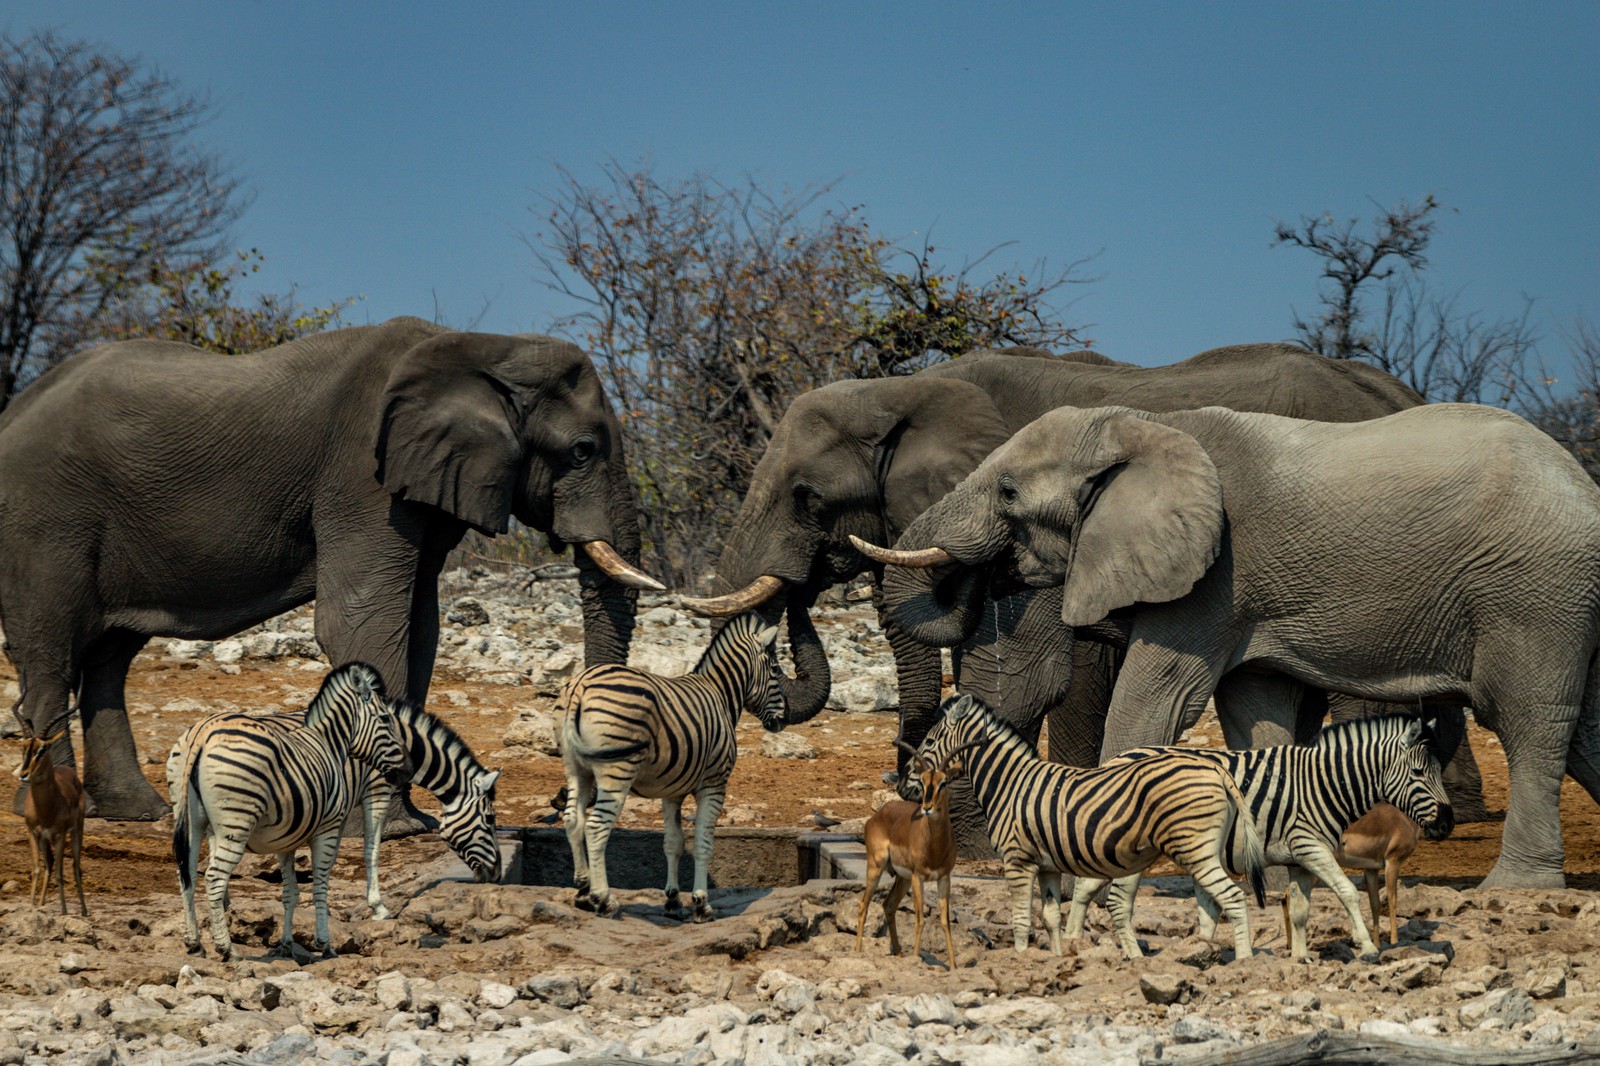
<point x="608" y="605"/>
<point x="806" y="693"/>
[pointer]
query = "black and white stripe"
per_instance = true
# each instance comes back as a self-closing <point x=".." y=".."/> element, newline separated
<point x="1302" y="798"/>
<point x="249" y="784"/>
<point x="625" y="730"/>
<point x="1049" y="819"/>
<point x="439" y="761"/>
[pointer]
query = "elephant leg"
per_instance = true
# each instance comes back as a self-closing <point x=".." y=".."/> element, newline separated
<point x="1019" y="662"/>
<point x="1260" y="710"/>
<point x="1163" y="684"/>
<point x="111" y="773"/>
<point x="1077" y="723"/>
<point x="1583" y="754"/>
<point x="1538" y="741"/>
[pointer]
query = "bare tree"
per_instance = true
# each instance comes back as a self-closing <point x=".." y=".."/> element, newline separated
<point x="99" y="179"/>
<point x="709" y="307"/>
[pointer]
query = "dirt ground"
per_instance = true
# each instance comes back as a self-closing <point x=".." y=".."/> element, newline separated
<point x="134" y="859"/>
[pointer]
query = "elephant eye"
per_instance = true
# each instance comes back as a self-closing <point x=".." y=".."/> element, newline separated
<point x="807" y="499"/>
<point x="1008" y="493"/>
<point x="582" y="451"/>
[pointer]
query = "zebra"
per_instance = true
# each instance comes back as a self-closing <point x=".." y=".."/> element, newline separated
<point x="1302" y="798"/>
<point x="1047" y="819"/>
<point x="440" y="762"/>
<point x="625" y="730"/>
<point x="249" y="785"/>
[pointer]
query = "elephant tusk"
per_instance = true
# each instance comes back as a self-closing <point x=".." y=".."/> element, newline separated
<point x="752" y="595"/>
<point x="619" y="569"/>
<point x="921" y="559"/>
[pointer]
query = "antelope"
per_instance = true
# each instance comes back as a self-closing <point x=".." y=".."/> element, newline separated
<point x="53" y="811"/>
<point x="1381" y="839"/>
<point x="914" y="841"/>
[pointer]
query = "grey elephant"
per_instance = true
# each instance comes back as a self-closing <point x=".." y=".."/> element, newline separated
<point x="867" y="457"/>
<point x="1450" y="551"/>
<point x="148" y="488"/>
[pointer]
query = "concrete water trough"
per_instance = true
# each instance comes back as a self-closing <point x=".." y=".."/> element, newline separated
<point x="745" y="857"/>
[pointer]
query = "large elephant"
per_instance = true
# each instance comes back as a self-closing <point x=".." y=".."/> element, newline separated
<point x="148" y="488"/>
<point x="1445" y="552"/>
<point x="867" y="457"/>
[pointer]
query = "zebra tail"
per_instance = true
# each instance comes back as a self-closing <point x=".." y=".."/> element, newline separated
<point x="180" y="819"/>
<point x="1255" y="852"/>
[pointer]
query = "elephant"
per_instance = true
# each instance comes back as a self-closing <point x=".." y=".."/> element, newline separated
<point x="151" y="489"/>
<point x="1445" y="552"/>
<point x="867" y="457"/>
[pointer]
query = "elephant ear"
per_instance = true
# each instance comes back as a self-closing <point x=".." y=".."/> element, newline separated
<point x="1150" y="523"/>
<point x="446" y="436"/>
<point x="940" y="431"/>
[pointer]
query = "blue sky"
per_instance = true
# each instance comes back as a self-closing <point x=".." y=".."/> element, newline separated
<point x="395" y="149"/>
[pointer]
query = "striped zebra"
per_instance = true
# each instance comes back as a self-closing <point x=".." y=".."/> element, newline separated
<point x="249" y="785"/>
<point x="1047" y="819"/>
<point x="440" y="762"/>
<point x="1303" y="798"/>
<point x="625" y="730"/>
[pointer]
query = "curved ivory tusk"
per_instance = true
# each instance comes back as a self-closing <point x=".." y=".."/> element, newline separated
<point x="754" y="594"/>
<point x="619" y="569"/>
<point x="921" y="559"/>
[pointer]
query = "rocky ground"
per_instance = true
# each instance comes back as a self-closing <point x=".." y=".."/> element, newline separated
<point x="501" y="974"/>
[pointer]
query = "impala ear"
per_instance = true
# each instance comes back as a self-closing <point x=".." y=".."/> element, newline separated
<point x="1150" y="519"/>
<point x="447" y="433"/>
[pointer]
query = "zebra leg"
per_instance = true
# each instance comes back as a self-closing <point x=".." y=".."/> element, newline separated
<point x="291" y="897"/>
<point x="707" y="809"/>
<point x="1297" y="910"/>
<point x="324" y="850"/>
<point x="1120" y="903"/>
<point x="672" y="844"/>
<point x="1210" y="911"/>
<point x="374" y="810"/>
<point x="1050" y="899"/>
<point x="580" y="797"/>
<point x="597" y="831"/>
<point x="1019" y="881"/>
<point x="1319" y="861"/>
<point x="227" y="851"/>
<point x="1211" y="879"/>
<point x="1083" y="890"/>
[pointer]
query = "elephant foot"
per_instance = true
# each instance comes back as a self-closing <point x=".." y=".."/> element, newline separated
<point x="133" y="803"/>
<point x="406" y="821"/>
<point x="1507" y="875"/>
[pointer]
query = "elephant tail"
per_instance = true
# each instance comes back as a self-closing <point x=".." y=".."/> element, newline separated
<point x="1254" y="850"/>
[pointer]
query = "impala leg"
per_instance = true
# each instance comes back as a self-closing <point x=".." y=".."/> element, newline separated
<point x="891" y="905"/>
<point x="916" y="901"/>
<point x="77" y="860"/>
<point x="1392" y="876"/>
<point x="61" y="872"/>
<point x="944" y="918"/>
<point x="1369" y="880"/>
<point x="874" y="874"/>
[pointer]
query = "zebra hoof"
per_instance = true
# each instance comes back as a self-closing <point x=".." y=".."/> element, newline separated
<point x="673" y="906"/>
<point x="607" y="908"/>
<point x="194" y="948"/>
<point x="584" y="901"/>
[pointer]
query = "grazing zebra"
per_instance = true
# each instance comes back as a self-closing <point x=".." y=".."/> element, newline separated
<point x="1303" y="798"/>
<point x="440" y="762"/>
<point x="252" y="785"/>
<point x="1050" y="819"/>
<point x="625" y="730"/>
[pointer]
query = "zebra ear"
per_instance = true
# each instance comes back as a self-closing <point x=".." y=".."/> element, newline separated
<point x="486" y="782"/>
<point x="1414" y="730"/>
<point x="960" y="707"/>
<point x="767" y="637"/>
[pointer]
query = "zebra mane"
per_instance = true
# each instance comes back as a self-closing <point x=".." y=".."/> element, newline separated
<point x="426" y="723"/>
<point x="347" y="678"/>
<point x="1379" y="725"/>
<point x="747" y="623"/>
